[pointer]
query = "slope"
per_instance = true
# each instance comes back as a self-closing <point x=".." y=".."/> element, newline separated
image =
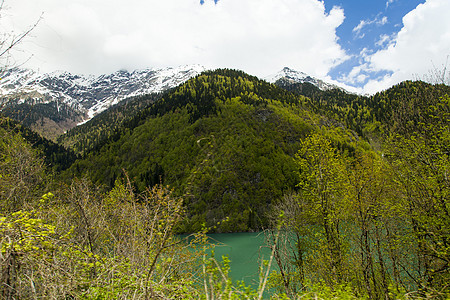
<point x="56" y="157"/>
<point x="103" y="126"/>
<point x="225" y="140"/>
<point x="399" y="109"/>
<point x="56" y="102"/>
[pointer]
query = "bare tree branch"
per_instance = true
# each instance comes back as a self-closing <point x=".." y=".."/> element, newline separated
<point x="10" y="41"/>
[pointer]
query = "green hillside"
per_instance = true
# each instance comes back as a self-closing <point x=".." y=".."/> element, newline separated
<point x="56" y="157"/>
<point x="398" y="109"/>
<point x="225" y="140"/>
<point x="50" y="120"/>
<point x="86" y="137"/>
<point x="234" y="153"/>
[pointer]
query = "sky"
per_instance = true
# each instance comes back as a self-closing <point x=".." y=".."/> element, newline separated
<point x="365" y="46"/>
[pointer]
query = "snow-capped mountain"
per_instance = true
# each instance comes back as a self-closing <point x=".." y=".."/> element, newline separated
<point x="292" y="76"/>
<point x="88" y="94"/>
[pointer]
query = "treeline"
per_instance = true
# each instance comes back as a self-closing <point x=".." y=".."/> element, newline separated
<point x="202" y="93"/>
<point x="29" y="114"/>
<point x="49" y="119"/>
<point x="56" y="157"/>
<point x="397" y="109"/>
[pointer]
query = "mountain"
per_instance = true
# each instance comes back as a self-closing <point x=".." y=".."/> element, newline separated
<point x="61" y="100"/>
<point x="87" y="136"/>
<point x="290" y="76"/>
<point x="225" y="152"/>
<point x="224" y="140"/>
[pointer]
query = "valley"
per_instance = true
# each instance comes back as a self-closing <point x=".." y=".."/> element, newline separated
<point x="223" y="151"/>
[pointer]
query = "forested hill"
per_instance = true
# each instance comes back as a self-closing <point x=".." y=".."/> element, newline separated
<point x="106" y="125"/>
<point x="131" y="112"/>
<point x="225" y="140"/>
<point x="234" y="153"/>
<point x="55" y="156"/>
<point x="398" y="109"/>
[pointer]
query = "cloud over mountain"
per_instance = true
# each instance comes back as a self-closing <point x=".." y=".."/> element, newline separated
<point x="257" y="36"/>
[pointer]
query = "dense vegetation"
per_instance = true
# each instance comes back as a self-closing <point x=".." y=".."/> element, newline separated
<point x="346" y="221"/>
<point x="225" y="140"/>
<point x="77" y="243"/>
<point x="49" y="119"/>
<point x="397" y="109"/>
<point x="56" y="157"/>
<point x="378" y="225"/>
<point x="102" y="127"/>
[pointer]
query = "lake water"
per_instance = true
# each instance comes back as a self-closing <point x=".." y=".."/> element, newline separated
<point x="245" y="250"/>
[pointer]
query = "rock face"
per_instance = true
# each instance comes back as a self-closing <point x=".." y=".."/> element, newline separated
<point x="72" y="99"/>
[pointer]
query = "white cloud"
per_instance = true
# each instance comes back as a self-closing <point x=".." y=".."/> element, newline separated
<point x="385" y="39"/>
<point x="423" y="42"/>
<point x="389" y="2"/>
<point x="357" y="75"/>
<point x="379" y="21"/>
<point x="357" y="30"/>
<point x="382" y="21"/>
<point x="257" y="36"/>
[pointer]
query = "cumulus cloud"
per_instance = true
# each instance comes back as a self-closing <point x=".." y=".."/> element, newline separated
<point x="422" y="43"/>
<point x="257" y="36"/>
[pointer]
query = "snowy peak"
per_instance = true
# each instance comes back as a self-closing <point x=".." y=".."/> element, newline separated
<point x="89" y="94"/>
<point x="288" y="74"/>
<point x="291" y="76"/>
<point x="53" y="103"/>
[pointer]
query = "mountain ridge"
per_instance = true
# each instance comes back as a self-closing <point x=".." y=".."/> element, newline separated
<point x="291" y="76"/>
<point x="81" y="96"/>
<point x="94" y="94"/>
<point x="53" y="103"/>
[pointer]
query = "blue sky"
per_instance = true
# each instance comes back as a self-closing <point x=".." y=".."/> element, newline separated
<point x="365" y="46"/>
<point x="369" y="26"/>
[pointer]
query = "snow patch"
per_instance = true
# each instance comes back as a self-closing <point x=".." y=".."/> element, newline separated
<point x="300" y="77"/>
<point x="90" y="95"/>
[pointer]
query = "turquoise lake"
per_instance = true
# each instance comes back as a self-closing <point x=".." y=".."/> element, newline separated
<point x="245" y="250"/>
